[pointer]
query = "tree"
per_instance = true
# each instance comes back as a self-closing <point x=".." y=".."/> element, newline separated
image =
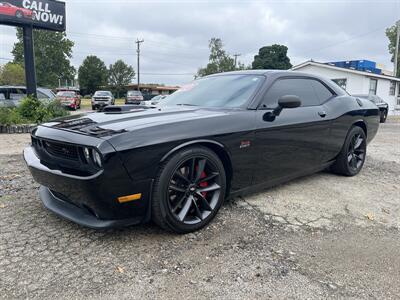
<point x="92" y="74"/>
<point x="52" y="51"/>
<point x="272" y="57"/>
<point x="12" y="74"/>
<point x="219" y="60"/>
<point x="120" y="74"/>
<point x="391" y="34"/>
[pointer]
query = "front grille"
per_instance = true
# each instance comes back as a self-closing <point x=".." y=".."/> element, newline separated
<point x="68" y="158"/>
<point x="61" y="150"/>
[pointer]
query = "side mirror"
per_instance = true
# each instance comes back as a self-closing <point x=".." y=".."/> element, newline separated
<point x="289" y="101"/>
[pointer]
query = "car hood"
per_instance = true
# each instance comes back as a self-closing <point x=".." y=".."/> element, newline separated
<point x="104" y="124"/>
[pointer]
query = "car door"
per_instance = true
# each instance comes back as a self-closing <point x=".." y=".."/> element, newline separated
<point x="293" y="142"/>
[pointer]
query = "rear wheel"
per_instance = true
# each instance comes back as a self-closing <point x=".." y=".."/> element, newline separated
<point x="383" y="116"/>
<point x="352" y="156"/>
<point x="188" y="190"/>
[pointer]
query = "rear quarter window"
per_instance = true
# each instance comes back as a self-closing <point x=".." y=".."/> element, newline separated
<point x="323" y="93"/>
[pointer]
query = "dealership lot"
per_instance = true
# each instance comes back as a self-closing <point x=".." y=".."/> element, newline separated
<point x="318" y="236"/>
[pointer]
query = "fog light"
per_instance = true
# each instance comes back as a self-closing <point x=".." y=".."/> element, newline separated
<point x="87" y="154"/>
<point x="96" y="158"/>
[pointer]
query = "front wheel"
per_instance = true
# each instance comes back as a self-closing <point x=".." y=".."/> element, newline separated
<point x="352" y="156"/>
<point x="189" y="190"/>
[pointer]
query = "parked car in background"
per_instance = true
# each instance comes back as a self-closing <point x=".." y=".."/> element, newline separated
<point x="382" y="105"/>
<point x="8" y="9"/>
<point x="11" y="96"/>
<point x="133" y="97"/>
<point x="101" y="99"/>
<point x="153" y="101"/>
<point x="69" y="99"/>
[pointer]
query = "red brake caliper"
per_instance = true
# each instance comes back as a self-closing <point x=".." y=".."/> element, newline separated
<point x="203" y="184"/>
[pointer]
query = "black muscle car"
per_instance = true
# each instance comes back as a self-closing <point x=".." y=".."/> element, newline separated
<point x="216" y="137"/>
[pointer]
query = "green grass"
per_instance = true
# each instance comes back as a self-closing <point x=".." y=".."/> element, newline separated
<point x="87" y="103"/>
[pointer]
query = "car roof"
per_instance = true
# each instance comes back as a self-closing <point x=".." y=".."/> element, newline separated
<point x="263" y="72"/>
<point x="275" y="74"/>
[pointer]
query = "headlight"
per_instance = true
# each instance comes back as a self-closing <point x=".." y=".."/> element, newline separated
<point x="96" y="158"/>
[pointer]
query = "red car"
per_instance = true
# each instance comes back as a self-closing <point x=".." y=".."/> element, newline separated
<point x="69" y="99"/>
<point x="15" y="11"/>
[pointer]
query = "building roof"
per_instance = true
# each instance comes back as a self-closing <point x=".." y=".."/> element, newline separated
<point x="153" y="86"/>
<point x="363" y="73"/>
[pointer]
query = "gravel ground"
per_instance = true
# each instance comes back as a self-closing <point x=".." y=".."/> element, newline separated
<point x="321" y="236"/>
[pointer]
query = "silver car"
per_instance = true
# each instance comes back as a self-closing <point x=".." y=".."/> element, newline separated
<point x="101" y="99"/>
<point x="11" y="96"/>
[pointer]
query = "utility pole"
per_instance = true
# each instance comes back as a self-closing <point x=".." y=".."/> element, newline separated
<point x="396" y="51"/>
<point x="138" y="42"/>
<point x="236" y="56"/>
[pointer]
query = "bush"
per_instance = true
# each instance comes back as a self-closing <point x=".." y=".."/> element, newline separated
<point x="10" y="116"/>
<point x="32" y="111"/>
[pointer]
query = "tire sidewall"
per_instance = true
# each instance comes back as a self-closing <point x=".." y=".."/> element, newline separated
<point x="165" y="177"/>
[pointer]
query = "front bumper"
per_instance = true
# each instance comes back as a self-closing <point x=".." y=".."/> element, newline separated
<point x="92" y="200"/>
<point x="78" y="215"/>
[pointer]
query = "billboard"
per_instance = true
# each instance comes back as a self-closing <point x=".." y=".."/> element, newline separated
<point x="43" y="14"/>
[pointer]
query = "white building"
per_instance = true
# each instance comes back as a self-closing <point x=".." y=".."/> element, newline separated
<point x="358" y="82"/>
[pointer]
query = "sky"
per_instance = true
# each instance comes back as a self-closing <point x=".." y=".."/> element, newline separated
<point x="176" y="33"/>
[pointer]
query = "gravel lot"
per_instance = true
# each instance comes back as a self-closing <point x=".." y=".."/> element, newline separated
<point x="321" y="236"/>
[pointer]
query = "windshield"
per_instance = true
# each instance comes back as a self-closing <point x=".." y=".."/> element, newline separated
<point x="66" y="94"/>
<point x="100" y="93"/>
<point x="217" y="91"/>
<point x="134" y="93"/>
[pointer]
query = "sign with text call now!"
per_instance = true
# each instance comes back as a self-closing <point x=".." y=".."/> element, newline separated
<point x="42" y="14"/>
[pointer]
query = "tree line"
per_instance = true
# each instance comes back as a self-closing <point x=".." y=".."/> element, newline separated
<point x="53" y="53"/>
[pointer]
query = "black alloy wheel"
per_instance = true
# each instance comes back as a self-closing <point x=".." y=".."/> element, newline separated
<point x="356" y="152"/>
<point x="189" y="190"/>
<point x="194" y="190"/>
<point x="351" y="158"/>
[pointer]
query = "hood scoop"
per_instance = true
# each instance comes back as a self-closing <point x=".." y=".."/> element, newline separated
<point x="120" y="109"/>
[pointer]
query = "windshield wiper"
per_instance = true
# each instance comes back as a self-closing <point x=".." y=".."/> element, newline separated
<point x="187" y="104"/>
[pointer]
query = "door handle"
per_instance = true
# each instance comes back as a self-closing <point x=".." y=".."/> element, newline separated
<point x="322" y="114"/>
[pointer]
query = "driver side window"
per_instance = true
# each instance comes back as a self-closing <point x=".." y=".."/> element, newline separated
<point x="300" y="87"/>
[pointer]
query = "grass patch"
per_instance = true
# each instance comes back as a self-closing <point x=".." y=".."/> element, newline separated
<point x="87" y="103"/>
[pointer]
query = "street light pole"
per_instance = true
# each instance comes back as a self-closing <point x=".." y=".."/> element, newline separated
<point x="138" y="42"/>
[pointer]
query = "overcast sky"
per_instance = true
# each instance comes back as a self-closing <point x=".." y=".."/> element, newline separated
<point x="176" y="33"/>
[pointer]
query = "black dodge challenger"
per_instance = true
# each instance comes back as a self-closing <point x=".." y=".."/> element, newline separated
<point x="216" y="137"/>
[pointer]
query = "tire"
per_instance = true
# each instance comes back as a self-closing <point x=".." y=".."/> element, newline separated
<point x="19" y="14"/>
<point x="183" y="200"/>
<point x="383" y="116"/>
<point x="93" y="107"/>
<point x="352" y="156"/>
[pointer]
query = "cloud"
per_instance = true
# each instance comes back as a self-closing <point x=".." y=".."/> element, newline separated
<point x="176" y="33"/>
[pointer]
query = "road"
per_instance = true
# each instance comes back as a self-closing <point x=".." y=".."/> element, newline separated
<point x="321" y="236"/>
